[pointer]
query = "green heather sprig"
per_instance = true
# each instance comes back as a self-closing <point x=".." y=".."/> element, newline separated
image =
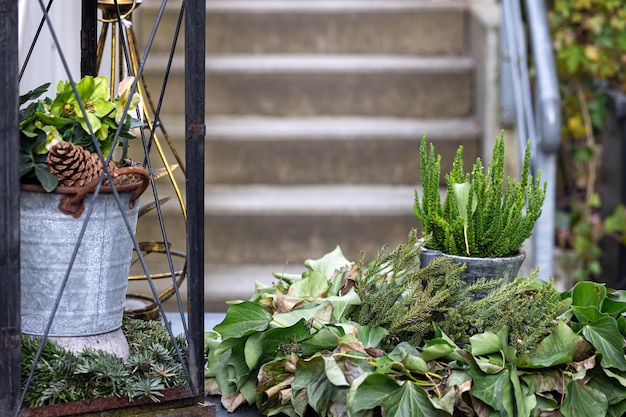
<point x="482" y="215"/>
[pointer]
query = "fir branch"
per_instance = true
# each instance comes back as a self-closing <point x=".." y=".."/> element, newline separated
<point x="405" y="299"/>
<point x="527" y="307"/>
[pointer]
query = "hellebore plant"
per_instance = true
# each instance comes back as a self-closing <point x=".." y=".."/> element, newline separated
<point x="45" y="122"/>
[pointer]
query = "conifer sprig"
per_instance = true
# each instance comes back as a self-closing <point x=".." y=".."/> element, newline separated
<point x="405" y="299"/>
<point x="495" y="216"/>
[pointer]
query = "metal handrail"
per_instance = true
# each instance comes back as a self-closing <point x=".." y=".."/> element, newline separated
<point x="538" y="120"/>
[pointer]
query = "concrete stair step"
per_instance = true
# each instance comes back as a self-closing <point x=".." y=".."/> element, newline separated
<point x="325" y="150"/>
<point x="310" y="85"/>
<point x="271" y="224"/>
<point x="329" y="150"/>
<point x="284" y="26"/>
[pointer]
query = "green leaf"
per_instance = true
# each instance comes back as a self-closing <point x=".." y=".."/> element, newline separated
<point x="525" y="400"/>
<point x="307" y="313"/>
<point x="252" y="350"/>
<point x="342" y="304"/>
<point x="243" y="319"/>
<point x="587" y="293"/>
<point x="604" y="335"/>
<point x="314" y="286"/>
<point x="371" y="336"/>
<point x="311" y="375"/>
<point x="396" y="399"/>
<point x="462" y="198"/>
<point x="328" y="264"/>
<point x="47" y="180"/>
<point x="325" y="338"/>
<point x="583" y="401"/>
<point x="436" y="349"/>
<point x="588" y="314"/>
<point x="35" y="93"/>
<point x="283" y="340"/>
<point x="495" y="390"/>
<point x="333" y="372"/>
<point x="490" y="364"/>
<point x="557" y="348"/>
<point x="485" y="343"/>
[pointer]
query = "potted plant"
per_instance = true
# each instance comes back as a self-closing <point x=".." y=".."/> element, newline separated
<point x="76" y="292"/>
<point x="484" y="220"/>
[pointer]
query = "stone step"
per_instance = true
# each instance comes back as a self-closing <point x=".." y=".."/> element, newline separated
<point x="325" y="150"/>
<point x="278" y="224"/>
<point x="401" y="27"/>
<point x="310" y="85"/>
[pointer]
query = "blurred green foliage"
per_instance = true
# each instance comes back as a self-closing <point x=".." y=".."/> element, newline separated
<point x="590" y="50"/>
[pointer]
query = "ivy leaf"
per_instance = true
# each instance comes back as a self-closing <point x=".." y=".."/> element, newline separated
<point x="328" y="264"/>
<point x="437" y="348"/>
<point x="342" y="304"/>
<point x="311" y="375"/>
<point x="588" y="294"/>
<point x="495" y="390"/>
<point x="371" y="336"/>
<point x="321" y="312"/>
<point x="604" y="335"/>
<point x="583" y="400"/>
<point x="314" y="286"/>
<point x="485" y="343"/>
<point x="557" y="348"/>
<point x="396" y="399"/>
<point x="243" y="319"/>
<point x="282" y="340"/>
<point x="333" y="372"/>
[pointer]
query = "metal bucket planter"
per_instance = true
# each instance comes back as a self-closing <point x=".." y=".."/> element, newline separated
<point x="90" y="309"/>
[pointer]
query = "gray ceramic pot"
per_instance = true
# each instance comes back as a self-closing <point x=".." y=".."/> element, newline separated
<point x="490" y="268"/>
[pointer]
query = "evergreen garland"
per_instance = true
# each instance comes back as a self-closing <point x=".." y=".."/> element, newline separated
<point x="62" y="376"/>
<point x="500" y="215"/>
<point x="399" y="296"/>
<point x="527" y="307"/>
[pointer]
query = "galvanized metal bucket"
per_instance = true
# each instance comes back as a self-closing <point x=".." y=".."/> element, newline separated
<point x="93" y="300"/>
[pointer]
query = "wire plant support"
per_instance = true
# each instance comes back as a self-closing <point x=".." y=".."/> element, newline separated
<point x="125" y="60"/>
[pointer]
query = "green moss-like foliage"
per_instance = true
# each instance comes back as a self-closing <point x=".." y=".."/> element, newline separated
<point x="500" y="215"/>
<point x="62" y="376"/>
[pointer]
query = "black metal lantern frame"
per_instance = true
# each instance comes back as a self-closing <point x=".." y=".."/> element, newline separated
<point x="11" y="393"/>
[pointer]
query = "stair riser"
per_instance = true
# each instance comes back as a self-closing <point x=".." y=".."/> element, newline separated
<point x="322" y="162"/>
<point x="293" y="238"/>
<point x="361" y="30"/>
<point x="280" y="238"/>
<point x="399" y="94"/>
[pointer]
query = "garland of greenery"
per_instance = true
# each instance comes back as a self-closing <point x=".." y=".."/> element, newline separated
<point x="62" y="376"/>
<point x="297" y="347"/>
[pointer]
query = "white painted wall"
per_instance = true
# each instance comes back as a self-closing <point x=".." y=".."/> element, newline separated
<point x="45" y="65"/>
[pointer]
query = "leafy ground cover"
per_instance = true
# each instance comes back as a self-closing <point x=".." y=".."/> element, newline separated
<point x="301" y="346"/>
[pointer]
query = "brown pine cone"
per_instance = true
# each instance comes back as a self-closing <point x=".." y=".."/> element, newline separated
<point x="73" y="165"/>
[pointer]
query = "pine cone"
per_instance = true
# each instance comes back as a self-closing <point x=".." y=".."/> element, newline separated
<point x="73" y="165"/>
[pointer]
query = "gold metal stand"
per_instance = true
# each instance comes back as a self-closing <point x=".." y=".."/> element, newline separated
<point x="117" y="16"/>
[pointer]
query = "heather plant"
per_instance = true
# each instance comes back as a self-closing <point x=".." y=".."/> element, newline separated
<point x="482" y="214"/>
